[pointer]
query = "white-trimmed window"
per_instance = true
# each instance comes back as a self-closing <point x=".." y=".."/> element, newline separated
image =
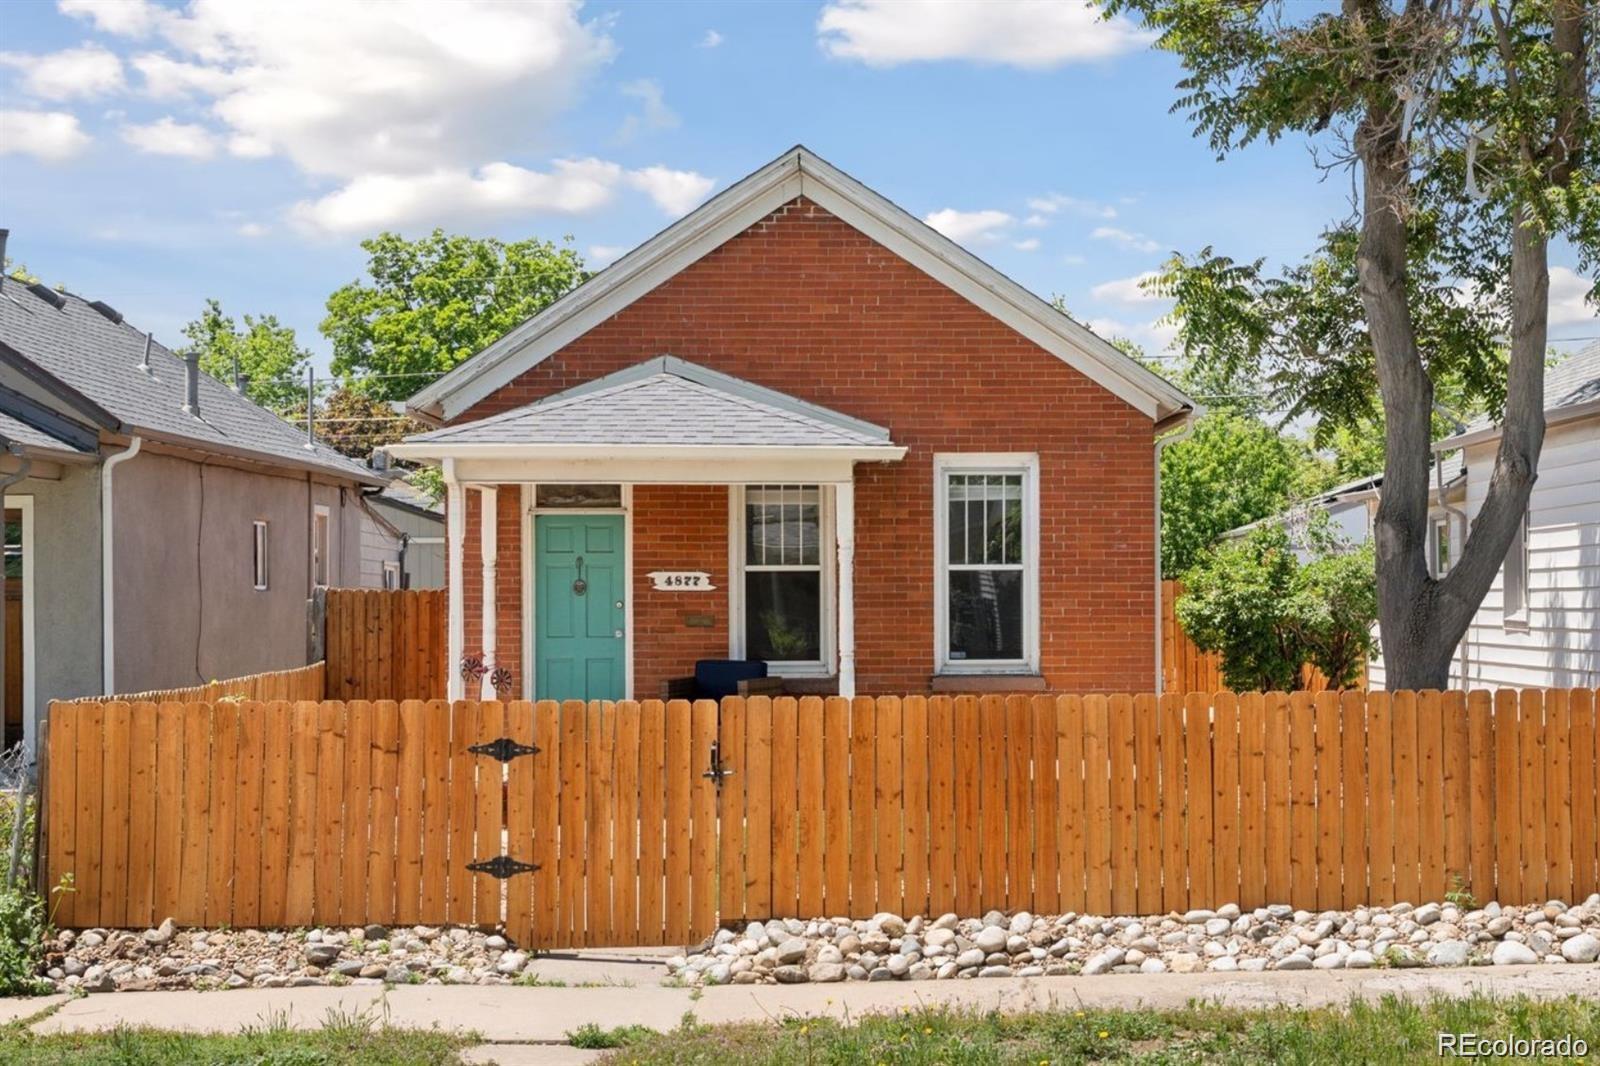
<point x="783" y="589"/>
<point x="259" y="554"/>
<point x="1439" y="546"/>
<point x="986" y="563"/>
<point x="1515" y="576"/>
<point x="391" y="574"/>
<point x="320" y="542"/>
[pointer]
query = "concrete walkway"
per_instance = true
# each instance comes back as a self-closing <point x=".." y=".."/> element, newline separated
<point x="544" y="1015"/>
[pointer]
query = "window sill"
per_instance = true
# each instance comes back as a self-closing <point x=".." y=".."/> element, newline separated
<point x="996" y="682"/>
<point x="1514" y="625"/>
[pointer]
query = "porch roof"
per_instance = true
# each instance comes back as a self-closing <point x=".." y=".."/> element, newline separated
<point x="665" y="403"/>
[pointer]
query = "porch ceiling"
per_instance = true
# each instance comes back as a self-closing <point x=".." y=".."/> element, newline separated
<point x="653" y="420"/>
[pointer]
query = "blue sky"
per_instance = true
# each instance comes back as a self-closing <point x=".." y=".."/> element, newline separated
<point x="154" y="155"/>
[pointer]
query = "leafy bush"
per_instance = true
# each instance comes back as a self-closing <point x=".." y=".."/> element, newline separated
<point x="1268" y="613"/>
<point x="23" y="926"/>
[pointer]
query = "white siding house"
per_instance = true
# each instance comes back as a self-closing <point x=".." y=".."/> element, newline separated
<point x="1539" y="626"/>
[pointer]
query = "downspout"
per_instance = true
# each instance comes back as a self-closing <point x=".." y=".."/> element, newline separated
<point x="1161" y="446"/>
<point x="108" y="586"/>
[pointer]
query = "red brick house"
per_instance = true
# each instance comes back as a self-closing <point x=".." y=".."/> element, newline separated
<point x="802" y="427"/>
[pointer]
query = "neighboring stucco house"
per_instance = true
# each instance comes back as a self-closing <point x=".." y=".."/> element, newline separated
<point x="169" y="531"/>
<point x="1539" y="626"/>
<point x="800" y="426"/>
<point x="402" y="539"/>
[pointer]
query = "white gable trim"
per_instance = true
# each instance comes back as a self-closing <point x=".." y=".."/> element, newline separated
<point x="796" y="173"/>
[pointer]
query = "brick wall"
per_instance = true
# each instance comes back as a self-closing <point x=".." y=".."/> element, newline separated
<point x="803" y="303"/>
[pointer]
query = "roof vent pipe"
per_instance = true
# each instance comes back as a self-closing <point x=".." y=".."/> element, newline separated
<point x="4" y="233"/>
<point x="191" y="384"/>
<point x="144" y="360"/>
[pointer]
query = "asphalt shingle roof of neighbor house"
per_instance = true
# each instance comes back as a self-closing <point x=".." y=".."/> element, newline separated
<point x="404" y="494"/>
<point x="1572" y="381"/>
<point x="98" y="355"/>
<point x="667" y="401"/>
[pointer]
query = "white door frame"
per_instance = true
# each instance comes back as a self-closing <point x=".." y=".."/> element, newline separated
<point x="529" y="607"/>
<point x="30" y="723"/>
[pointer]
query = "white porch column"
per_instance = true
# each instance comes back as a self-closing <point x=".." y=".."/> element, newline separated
<point x="489" y="541"/>
<point x="844" y="532"/>
<point x="455" y="542"/>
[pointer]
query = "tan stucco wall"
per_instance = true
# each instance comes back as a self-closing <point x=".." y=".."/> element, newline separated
<point x="180" y="621"/>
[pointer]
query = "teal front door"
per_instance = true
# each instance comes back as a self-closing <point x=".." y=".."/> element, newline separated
<point x="580" y="585"/>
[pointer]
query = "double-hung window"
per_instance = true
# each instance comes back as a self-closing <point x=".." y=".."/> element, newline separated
<point x="986" y="576"/>
<point x="1441" y="546"/>
<point x="320" y="545"/>
<point x="783" y="590"/>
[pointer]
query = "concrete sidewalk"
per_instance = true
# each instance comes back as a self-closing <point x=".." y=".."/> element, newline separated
<point x="513" y="1015"/>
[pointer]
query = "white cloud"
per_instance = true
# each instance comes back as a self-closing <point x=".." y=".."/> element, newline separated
<point x="252" y="229"/>
<point x="1033" y="34"/>
<point x="654" y="113"/>
<point x="1126" y="290"/>
<point x="674" y="191"/>
<point x="1028" y="244"/>
<point x="1567" y="304"/>
<point x="168" y="136"/>
<point x="127" y="18"/>
<point x="87" y="71"/>
<point x="350" y="90"/>
<point x="375" y="201"/>
<point x="602" y="254"/>
<point x="1055" y="203"/>
<point x="1136" y="241"/>
<point x="247" y="147"/>
<point x="969" y="226"/>
<point x="49" y="135"/>
<point x="711" y="39"/>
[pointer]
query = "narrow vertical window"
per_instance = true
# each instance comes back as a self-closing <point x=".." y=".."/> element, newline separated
<point x="391" y="574"/>
<point x="259" y="534"/>
<point x="1441" y="547"/>
<point x="319" y="547"/>
<point x="1515" y="576"/>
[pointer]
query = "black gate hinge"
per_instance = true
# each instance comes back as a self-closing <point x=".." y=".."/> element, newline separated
<point x="502" y="867"/>
<point x="505" y="749"/>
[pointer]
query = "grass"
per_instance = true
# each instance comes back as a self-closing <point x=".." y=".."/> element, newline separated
<point x="1389" y="1031"/>
<point x="593" y="1037"/>
<point x="353" y="1039"/>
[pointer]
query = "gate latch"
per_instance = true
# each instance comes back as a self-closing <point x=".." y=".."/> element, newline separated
<point x="505" y="749"/>
<point x="717" y="771"/>
<point x="502" y="867"/>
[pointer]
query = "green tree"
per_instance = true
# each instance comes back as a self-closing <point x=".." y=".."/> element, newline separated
<point x="1253" y="601"/>
<point x="430" y="303"/>
<point x="354" y="424"/>
<point x="1469" y="132"/>
<point x="1234" y="470"/>
<point x="263" y="350"/>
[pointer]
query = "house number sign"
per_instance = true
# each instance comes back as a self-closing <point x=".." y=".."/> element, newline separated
<point x="682" y="580"/>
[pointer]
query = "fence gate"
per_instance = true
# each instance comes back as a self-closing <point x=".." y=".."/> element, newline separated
<point x="611" y="822"/>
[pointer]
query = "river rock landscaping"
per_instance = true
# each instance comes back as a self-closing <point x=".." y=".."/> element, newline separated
<point x="888" y="947"/>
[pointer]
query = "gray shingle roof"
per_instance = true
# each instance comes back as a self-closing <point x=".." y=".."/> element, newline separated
<point x="99" y="358"/>
<point x="1572" y="381"/>
<point x="668" y="401"/>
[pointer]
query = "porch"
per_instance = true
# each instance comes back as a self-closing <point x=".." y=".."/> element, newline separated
<point x="603" y="540"/>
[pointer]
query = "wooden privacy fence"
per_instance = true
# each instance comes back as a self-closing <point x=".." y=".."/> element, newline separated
<point x="650" y="823"/>
<point x="299" y="683"/>
<point x="385" y="644"/>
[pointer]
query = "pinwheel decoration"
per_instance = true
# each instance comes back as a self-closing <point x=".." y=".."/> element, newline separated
<point x="500" y="681"/>
<point x="472" y="669"/>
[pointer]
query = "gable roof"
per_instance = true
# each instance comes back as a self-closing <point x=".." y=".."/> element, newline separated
<point x="798" y="172"/>
<point x="662" y="402"/>
<point x="90" y="357"/>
